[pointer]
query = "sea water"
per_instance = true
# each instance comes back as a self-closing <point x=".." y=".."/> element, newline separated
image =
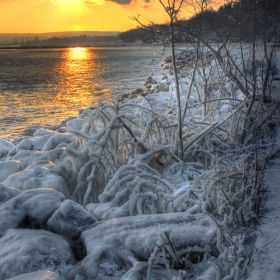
<point x="46" y="86"/>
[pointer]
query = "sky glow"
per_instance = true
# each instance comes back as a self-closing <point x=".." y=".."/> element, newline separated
<point x="29" y="16"/>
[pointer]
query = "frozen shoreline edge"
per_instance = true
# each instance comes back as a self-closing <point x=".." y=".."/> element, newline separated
<point x="74" y="118"/>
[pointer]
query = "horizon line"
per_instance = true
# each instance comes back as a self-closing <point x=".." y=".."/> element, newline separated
<point x="74" y="31"/>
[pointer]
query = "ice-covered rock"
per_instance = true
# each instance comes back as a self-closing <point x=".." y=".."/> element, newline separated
<point x="8" y="168"/>
<point x="30" y="209"/>
<point x="57" y="139"/>
<point x="36" y="178"/>
<point x="163" y="86"/>
<point x="56" y="156"/>
<point x="150" y="81"/>
<point x="70" y="220"/>
<point x="5" y="147"/>
<point x="76" y="124"/>
<point x="114" y="241"/>
<point x="25" y="250"/>
<point x="41" y="131"/>
<point x="38" y="142"/>
<point x="106" y="211"/>
<point x="26" y="157"/>
<point x="25" y="144"/>
<point x="7" y="193"/>
<point x="38" y="275"/>
<point x="7" y="144"/>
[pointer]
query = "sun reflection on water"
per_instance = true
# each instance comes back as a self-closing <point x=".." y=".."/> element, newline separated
<point x="74" y="90"/>
<point x="74" y="80"/>
<point x="46" y="86"/>
<point x="78" y="53"/>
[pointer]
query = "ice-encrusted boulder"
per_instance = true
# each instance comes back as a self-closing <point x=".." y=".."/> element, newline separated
<point x="42" y="131"/>
<point x="56" y="156"/>
<point x="163" y="86"/>
<point x="106" y="211"/>
<point x="5" y="147"/>
<point x="39" y="177"/>
<point x="25" y="144"/>
<point x="38" y="275"/>
<point x="57" y="139"/>
<point x="114" y="242"/>
<point x="25" y="157"/>
<point x="29" y="209"/>
<point x="76" y="124"/>
<point x="25" y="250"/>
<point x="8" y="168"/>
<point x="7" y="193"/>
<point x="38" y="142"/>
<point x="70" y="220"/>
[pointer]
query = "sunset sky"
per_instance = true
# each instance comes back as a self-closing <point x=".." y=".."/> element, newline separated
<point x="37" y="16"/>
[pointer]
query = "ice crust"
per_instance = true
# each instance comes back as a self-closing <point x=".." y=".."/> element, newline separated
<point x="30" y="208"/>
<point x="106" y="211"/>
<point x="39" y="177"/>
<point x="24" y="250"/>
<point x="48" y="166"/>
<point x="42" y="178"/>
<point x="70" y="219"/>
<point x="9" y="167"/>
<point x="116" y="239"/>
<point x="5" y="147"/>
<point x="7" y="193"/>
<point x="38" y="275"/>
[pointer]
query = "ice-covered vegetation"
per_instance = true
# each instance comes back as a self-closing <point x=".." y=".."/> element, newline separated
<point x="151" y="214"/>
<point x="162" y="186"/>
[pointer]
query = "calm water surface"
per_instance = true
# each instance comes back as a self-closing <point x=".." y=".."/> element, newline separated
<point x="45" y="86"/>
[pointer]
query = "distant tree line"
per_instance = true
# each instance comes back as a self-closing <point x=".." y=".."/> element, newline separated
<point x="235" y="17"/>
<point x="137" y="34"/>
<point x="65" y="40"/>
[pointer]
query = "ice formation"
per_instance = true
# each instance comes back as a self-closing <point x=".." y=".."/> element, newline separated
<point x="25" y="250"/>
<point x="109" y="197"/>
<point x="70" y="219"/>
<point x="30" y="209"/>
<point x="119" y="240"/>
<point x="7" y="193"/>
<point x="38" y="275"/>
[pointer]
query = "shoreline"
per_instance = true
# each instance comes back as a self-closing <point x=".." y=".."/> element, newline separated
<point x="87" y="88"/>
<point x="59" y="46"/>
<point x="119" y="189"/>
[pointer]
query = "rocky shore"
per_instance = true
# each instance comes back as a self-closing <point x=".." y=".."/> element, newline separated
<point x="104" y="195"/>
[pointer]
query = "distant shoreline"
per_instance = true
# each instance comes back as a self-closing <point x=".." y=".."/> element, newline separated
<point x="5" y="47"/>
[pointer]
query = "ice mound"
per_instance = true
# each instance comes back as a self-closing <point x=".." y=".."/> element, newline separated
<point x="106" y="211"/>
<point x="25" y="144"/>
<point x="39" y="177"/>
<point x="24" y="250"/>
<point x="7" y="193"/>
<point x="57" y="139"/>
<point x="120" y="240"/>
<point x="38" y="275"/>
<point x="8" y="168"/>
<point x="29" y="209"/>
<point x="39" y="142"/>
<point x="70" y="220"/>
<point x="25" y="157"/>
<point x="5" y="147"/>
